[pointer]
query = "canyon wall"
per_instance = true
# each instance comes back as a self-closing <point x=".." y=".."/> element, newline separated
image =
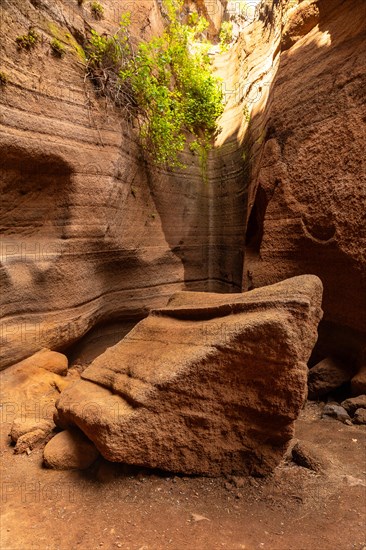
<point x="307" y="189"/>
<point x="91" y="234"/>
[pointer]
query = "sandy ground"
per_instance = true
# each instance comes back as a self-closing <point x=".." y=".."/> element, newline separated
<point x="114" y="506"/>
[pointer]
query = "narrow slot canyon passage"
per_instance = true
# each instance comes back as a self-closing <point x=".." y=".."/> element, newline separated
<point x="183" y="274"/>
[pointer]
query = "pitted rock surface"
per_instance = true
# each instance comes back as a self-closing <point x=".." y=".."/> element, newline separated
<point x="210" y="385"/>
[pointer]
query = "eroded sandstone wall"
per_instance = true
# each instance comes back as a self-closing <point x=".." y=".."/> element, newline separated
<point x="88" y="233"/>
<point x="307" y="192"/>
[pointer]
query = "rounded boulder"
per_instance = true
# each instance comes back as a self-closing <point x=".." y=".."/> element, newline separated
<point x="69" y="450"/>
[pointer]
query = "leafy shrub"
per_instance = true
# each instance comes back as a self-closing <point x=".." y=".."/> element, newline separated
<point x="226" y="35"/>
<point x="201" y="148"/>
<point x="57" y="48"/>
<point x="28" y="41"/>
<point x="246" y="113"/>
<point x="165" y="84"/>
<point x="97" y="10"/>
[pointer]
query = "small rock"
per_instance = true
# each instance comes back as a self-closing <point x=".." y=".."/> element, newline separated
<point x="360" y="416"/>
<point x="238" y="481"/>
<point x="353" y="403"/>
<point x="305" y="455"/>
<point x="197" y="517"/>
<point x="22" y="426"/>
<point x="358" y="382"/>
<point x="354" y="481"/>
<point x="336" y="411"/>
<point x="29" y="441"/>
<point x="46" y="359"/>
<point x="29" y="432"/>
<point x="70" y="450"/>
<point x="326" y="376"/>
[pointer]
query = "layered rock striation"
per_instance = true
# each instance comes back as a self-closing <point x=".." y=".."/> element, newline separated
<point x="89" y="232"/>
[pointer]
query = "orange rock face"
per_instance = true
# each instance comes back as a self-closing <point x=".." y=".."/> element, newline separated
<point x="89" y="234"/>
<point x="308" y="188"/>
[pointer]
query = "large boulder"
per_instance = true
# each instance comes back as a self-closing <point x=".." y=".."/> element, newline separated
<point x="209" y="385"/>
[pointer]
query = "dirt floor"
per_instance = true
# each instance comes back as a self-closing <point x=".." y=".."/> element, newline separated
<point x="114" y="506"/>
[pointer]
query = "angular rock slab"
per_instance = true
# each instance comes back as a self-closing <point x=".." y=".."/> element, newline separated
<point x="209" y="385"/>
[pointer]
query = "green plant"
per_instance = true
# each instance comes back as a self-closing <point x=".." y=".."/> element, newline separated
<point x="57" y="48"/>
<point x="246" y="113"/>
<point x="165" y="84"/>
<point x="226" y="35"/>
<point x="3" y="79"/>
<point x="28" y="41"/>
<point x="201" y="148"/>
<point x="193" y="18"/>
<point x="97" y="10"/>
